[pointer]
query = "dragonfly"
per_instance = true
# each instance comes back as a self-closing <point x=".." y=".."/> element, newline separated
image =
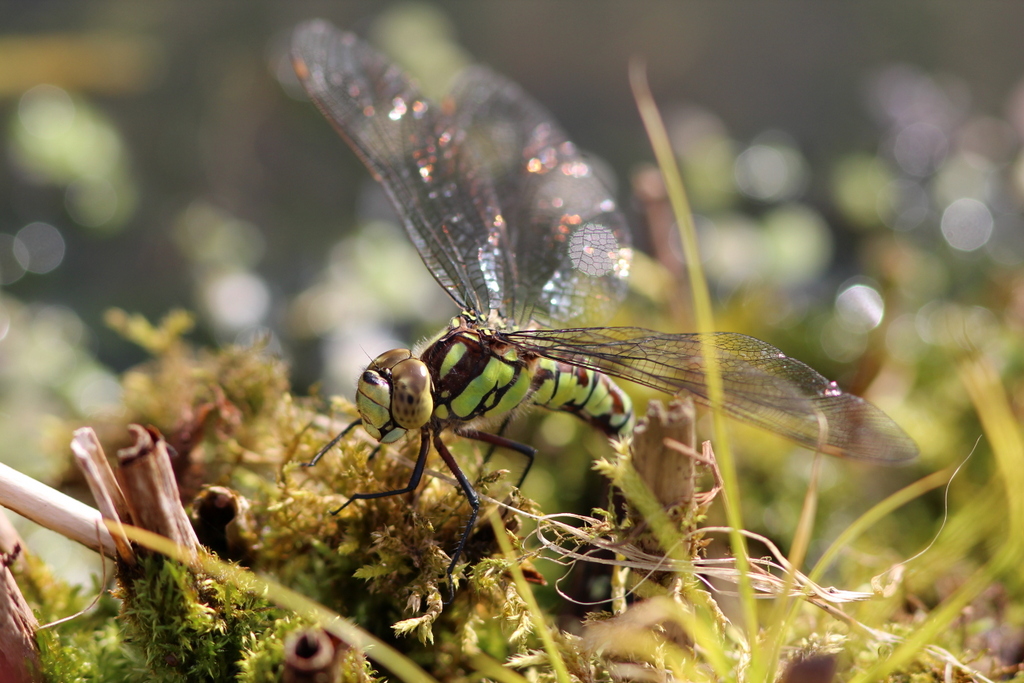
<point x="513" y="222"/>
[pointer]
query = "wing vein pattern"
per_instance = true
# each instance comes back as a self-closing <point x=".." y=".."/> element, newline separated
<point x="762" y="385"/>
<point x="503" y="209"/>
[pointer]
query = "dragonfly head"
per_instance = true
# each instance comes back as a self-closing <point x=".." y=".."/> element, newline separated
<point x="394" y="395"/>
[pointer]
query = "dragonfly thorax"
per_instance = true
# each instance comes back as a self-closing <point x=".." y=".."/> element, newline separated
<point x="394" y="395"/>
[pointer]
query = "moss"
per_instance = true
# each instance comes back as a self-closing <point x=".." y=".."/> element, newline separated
<point x="93" y="656"/>
<point x="264" y="663"/>
<point x="86" y="647"/>
<point x="185" y="625"/>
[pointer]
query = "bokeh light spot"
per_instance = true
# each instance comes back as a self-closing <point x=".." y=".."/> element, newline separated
<point x="91" y="201"/>
<point x="858" y="181"/>
<point x="707" y="156"/>
<point x="799" y="244"/>
<point x="902" y="339"/>
<point x="904" y="204"/>
<point x="421" y="39"/>
<point x="951" y="325"/>
<point x="5" y="322"/>
<point x="840" y="343"/>
<point x="236" y="300"/>
<point x="920" y="148"/>
<point x="46" y="111"/>
<point x="558" y="431"/>
<point x="735" y="250"/>
<point x="97" y="392"/>
<point x="59" y="139"/>
<point x="902" y="95"/>
<point x="1007" y="244"/>
<point x="41" y="247"/>
<point x="210" y="236"/>
<point x="859" y="308"/>
<point x="988" y="138"/>
<point x="770" y="171"/>
<point x="963" y="175"/>
<point x="967" y="224"/>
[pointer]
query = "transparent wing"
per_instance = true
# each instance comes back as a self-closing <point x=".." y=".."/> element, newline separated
<point x="502" y="208"/>
<point x="570" y="242"/>
<point x="762" y="385"/>
<point x="446" y="201"/>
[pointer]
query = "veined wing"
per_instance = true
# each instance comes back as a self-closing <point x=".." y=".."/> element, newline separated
<point x="762" y="385"/>
<point x="446" y="201"/>
<point x="570" y="243"/>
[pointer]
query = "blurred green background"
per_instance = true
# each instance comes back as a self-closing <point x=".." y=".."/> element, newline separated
<point x="856" y="172"/>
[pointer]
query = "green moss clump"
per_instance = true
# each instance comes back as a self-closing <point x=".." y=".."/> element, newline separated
<point x="186" y="626"/>
<point x="81" y="655"/>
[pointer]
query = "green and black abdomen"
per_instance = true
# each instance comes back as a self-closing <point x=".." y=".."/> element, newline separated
<point x="479" y="376"/>
<point x="590" y="395"/>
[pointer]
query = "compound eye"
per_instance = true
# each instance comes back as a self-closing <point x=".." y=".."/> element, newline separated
<point x="389" y="359"/>
<point x="373" y="400"/>
<point x="412" y="403"/>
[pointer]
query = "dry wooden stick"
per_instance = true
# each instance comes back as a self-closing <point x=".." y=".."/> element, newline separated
<point x="86" y="446"/>
<point x="666" y="472"/>
<point x="54" y="510"/>
<point x="149" y="486"/>
<point x="19" y="655"/>
<point x="663" y="455"/>
<point x="93" y="463"/>
<point x="150" y="495"/>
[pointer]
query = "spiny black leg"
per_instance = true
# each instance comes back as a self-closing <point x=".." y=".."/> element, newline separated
<point x="528" y="451"/>
<point x="474" y="503"/>
<point x="323" y="451"/>
<point x="373" y="453"/>
<point x="414" y="481"/>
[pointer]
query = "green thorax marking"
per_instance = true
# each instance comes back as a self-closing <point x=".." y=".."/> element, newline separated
<point x="475" y="374"/>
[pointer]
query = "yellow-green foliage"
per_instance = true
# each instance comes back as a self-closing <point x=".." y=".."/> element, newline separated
<point x="224" y="403"/>
<point x="94" y="656"/>
<point x="188" y="627"/>
<point x="381" y="563"/>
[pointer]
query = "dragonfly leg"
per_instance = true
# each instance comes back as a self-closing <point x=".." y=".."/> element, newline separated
<point x="414" y="480"/>
<point x="500" y="432"/>
<point x="474" y="503"/>
<point x="501" y="442"/>
<point x="331" y="444"/>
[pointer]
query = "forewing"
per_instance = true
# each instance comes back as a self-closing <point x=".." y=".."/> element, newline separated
<point x="569" y="240"/>
<point x="446" y="201"/>
<point x="762" y="385"/>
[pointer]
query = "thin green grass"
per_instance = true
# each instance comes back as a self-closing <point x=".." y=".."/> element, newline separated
<point x="881" y="509"/>
<point x="705" y="324"/>
<point x="540" y="626"/>
<point x="765" y="648"/>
